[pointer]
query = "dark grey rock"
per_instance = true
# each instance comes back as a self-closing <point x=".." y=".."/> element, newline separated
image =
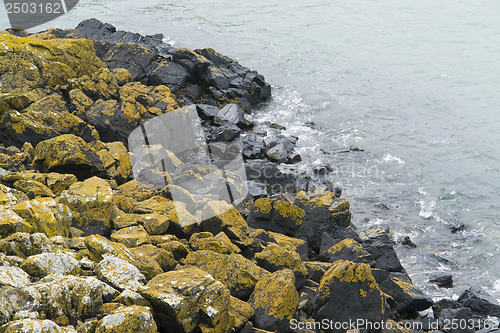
<point x="480" y="301"/>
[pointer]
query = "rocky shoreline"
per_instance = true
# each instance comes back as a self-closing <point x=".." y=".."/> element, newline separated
<point x="87" y="246"/>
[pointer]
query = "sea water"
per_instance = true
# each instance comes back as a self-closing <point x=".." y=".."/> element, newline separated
<point x="415" y="85"/>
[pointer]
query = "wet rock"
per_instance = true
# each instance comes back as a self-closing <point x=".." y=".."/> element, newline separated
<point x="252" y="146"/>
<point x="479" y="301"/>
<point x="380" y="246"/>
<point x="46" y="216"/>
<point x="274" y="301"/>
<point x="68" y="153"/>
<point x="275" y="258"/>
<point x="188" y="300"/>
<point x="443" y="281"/>
<point x="276" y="215"/>
<point x="348" y="291"/>
<point x="119" y="273"/>
<point x="231" y="114"/>
<point x="409" y="298"/>
<point x="131" y="236"/>
<point x="237" y="273"/>
<point x="91" y="203"/>
<point x="13" y="276"/>
<point x="448" y="317"/>
<point x="41" y="265"/>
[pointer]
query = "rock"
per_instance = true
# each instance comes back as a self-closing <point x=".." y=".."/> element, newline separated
<point x="11" y="223"/>
<point x="207" y="241"/>
<point x="165" y="259"/>
<point x="100" y="247"/>
<point x="46" y="216"/>
<point x="226" y="133"/>
<point x="33" y="188"/>
<point x="380" y="246"/>
<point x="91" y="203"/>
<point x="150" y="268"/>
<point x="33" y="326"/>
<point x="131" y="236"/>
<point x="409" y="298"/>
<point x="122" y="76"/>
<point x="128" y="319"/>
<point x="100" y="85"/>
<point x="241" y="311"/>
<point x="41" y="265"/>
<point x="252" y="146"/>
<point x="275" y="258"/>
<point x="29" y="63"/>
<point x="128" y="298"/>
<point x="454" y="320"/>
<point x="222" y="237"/>
<point x="60" y="182"/>
<point x="87" y="298"/>
<point x="115" y="159"/>
<point x="480" y="302"/>
<point x="178" y="249"/>
<point x="119" y="273"/>
<point x="274" y="301"/>
<point x="6" y="309"/>
<point x="13" y="276"/>
<point x="10" y="197"/>
<point x="68" y="153"/>
<point x="276" y="215"/>
<point x="135" y="191"/>
<point x="220" y="216"/>
<point x="348" y="291"/>
<point x="189" y="300"/>
<point x="443" y="281"/>
<point x="231" y="114"/>
<point x="236" y="272"/>
<point x="316" y="269"/>
<point x="347" y="249"/>
<point x="23" y="245"/>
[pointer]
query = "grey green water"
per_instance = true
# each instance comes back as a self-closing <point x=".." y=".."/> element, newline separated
<point x="414" y="84"/>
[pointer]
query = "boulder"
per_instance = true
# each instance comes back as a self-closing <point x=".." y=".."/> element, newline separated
<point x="131" y="236"/>
<point x="280" y="216"/>
<point x="100" y="85"/>
<point x="87" y="298"/>
<point x="348" y="291"/>
<point x="33" y="189"/>
<point x="380" y="246"/>
<point x="480" y="302"/>
<point x="163" y="258"/>
<point x="146" y="265"/>
<point x="11" y="223"/>
<point x="6" y="309"/>
<point x="128" y="319"/>
<point x="68" y="153"/>
<point x="189" y="300"/>
<point x="347" y="249"/>
<point x="46" y="216"/>
<point x="129" y="297"/>
<point x="119" y="273"/>
<point x="274" y="301"/>
<point x="91" y="203"/>
<point x="178" y="249"/>
<point x="100" y="247"/>
<point x="13" y="276"/>
<point x="33" y="326"/>
<point x="457" y="320"/>
<point x="275" y="258"/>
<point x="241" y="312"/>
<point x="206" y="241"/>
<point x="408" y="297"/>
<point x="236" y="272"/>
<point x="43" y="264"/>
<point x="220" y="216"/>
<point x="23" y="245"/>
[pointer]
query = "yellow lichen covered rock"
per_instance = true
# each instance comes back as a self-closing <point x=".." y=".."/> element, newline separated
<point x="131" y="319"/>
<point x="237" y="273"/>
<point x="33" y="189"/>
<point x="44" y="264"/>
<point x="276" y="215"/>
<point x="122" y="76"/>
<point x="91" y="203"/>
<point x="86" y="297"/>
<point x="131" y="236"/>
<point x="129" y="297"/>
<point x="206" y="241"/>
<point x="275" y="257"/>
<point x="163" y="258"/>
<point x="13" y="276"/>
<point x="27" y="63"/>
<point x="190" y="300"/>
<point x="348" y="291"/>
<point x="68" y="153"/>
<point x="119" y="273"/>
<point x="11" y="223"/>
<point x="33" y="326"/>
<point x="220" y="216"/>
<point x="101" y="84"/>
<point x="10" y="197"/>
<point x="274" y="301"/>
<point x="99" y="247"/>
<point x="241" y="311"/>
<point x="135" y="191"/>
<point x="23" y="245"/>
<point x="347" y="249"/>
<point x="46" y="215"/>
